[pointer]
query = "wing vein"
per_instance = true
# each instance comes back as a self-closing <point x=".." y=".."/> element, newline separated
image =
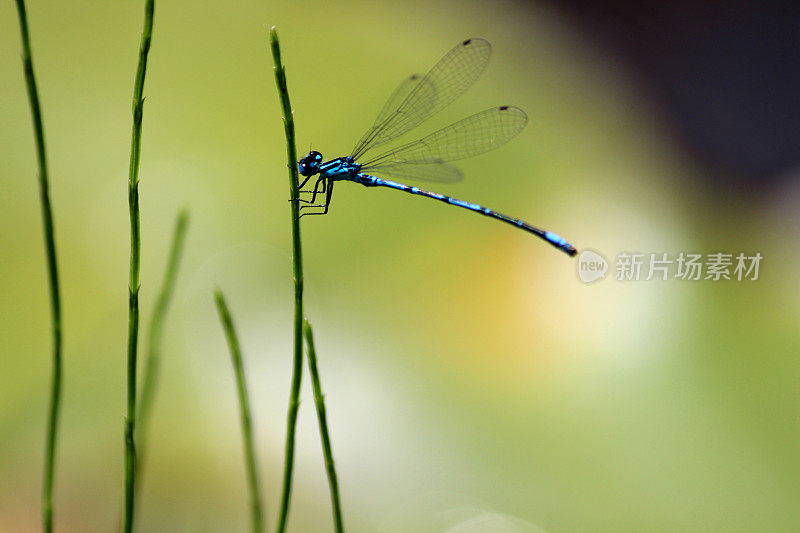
<point x="416" y="100"/>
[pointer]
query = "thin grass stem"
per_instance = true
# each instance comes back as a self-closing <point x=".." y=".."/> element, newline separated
<point x="153" y="361"/>
<point x="51" y="438"/>
<point x="319" y="401"/>
<point x="297" y="266"/>
<point x="256" y="513"/>
<point x="133" y="286"/>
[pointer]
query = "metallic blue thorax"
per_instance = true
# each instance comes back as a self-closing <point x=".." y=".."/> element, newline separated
<point x="342" y="168"/>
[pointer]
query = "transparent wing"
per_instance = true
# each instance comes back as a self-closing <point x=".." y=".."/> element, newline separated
<point x="471" y="136"/>
<point x="445" y="82"/>
<point x="434" y="172"/>
<point x="397" y="97"/>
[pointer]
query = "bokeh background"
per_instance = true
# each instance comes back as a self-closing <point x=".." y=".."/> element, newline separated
<point x="473" y="383"/>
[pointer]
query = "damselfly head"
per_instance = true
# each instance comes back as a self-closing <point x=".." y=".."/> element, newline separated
<point x="309" y="165"/>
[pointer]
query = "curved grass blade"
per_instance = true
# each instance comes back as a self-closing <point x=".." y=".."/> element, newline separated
<point x="256" y="512"/>
<point x="322" y="418"/>
<point x="153" y="362"/>
<point x="52" y="271"/>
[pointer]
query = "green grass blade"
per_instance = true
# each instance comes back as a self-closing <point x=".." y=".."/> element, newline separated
<point x="52" y="271"/>
<point x="297" y="262"/>
<point x="133" y="286"/>
<point x="257" y="521"/>
<point x="153" y="362"/>
<point x="319" y="401"/>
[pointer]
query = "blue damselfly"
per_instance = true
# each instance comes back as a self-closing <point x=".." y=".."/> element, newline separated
<point x="414" y="101"/>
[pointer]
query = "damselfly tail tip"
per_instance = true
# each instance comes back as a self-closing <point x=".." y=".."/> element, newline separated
<point x="559" y="242"/>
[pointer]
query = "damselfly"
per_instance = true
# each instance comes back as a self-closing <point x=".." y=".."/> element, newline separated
<point x="414" y="101"/>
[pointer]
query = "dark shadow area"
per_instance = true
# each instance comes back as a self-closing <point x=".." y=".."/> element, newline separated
<point x="726" y="75"/>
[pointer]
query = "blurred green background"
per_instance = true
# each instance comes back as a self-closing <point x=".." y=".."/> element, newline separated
<point x="472" y="382"/>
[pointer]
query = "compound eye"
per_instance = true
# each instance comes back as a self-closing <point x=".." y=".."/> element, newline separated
<point x="304" y="168"/>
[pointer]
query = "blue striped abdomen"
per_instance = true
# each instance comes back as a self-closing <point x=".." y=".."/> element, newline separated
<point x="552" y="238"/>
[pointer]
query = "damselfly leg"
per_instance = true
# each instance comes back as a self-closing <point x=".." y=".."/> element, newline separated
<point x="321" y="186"/>
<point x="318" y="189"/>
